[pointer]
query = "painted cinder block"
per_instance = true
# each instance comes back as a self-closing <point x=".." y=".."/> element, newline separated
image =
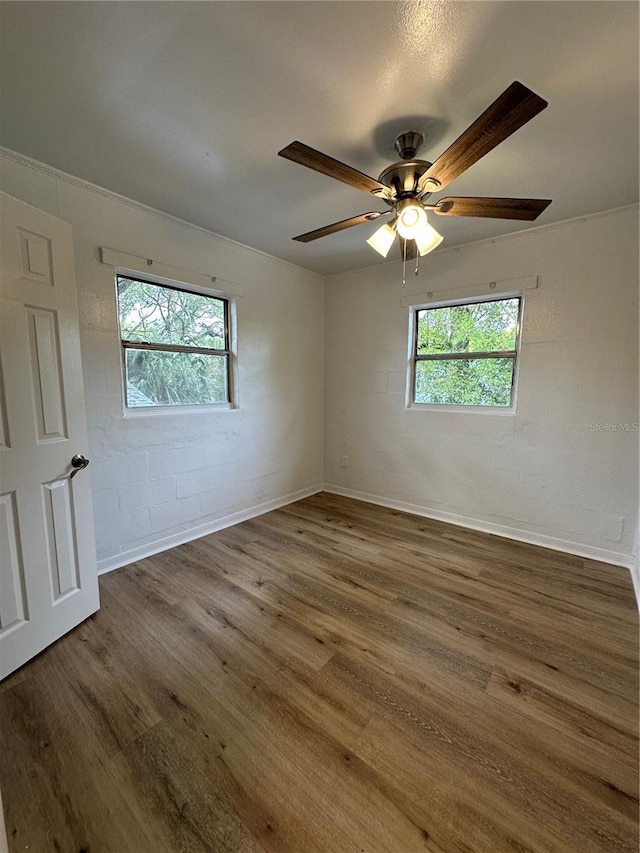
<point x="118" y="469"/>
<point x="147" y="493"/>
<point x="545" y="469"/>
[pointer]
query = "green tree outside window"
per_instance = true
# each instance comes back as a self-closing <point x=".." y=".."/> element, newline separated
<point x="176" y="345"/>
<point x="465" y="354"/>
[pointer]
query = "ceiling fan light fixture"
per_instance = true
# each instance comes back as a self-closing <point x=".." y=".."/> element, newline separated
<point x="412" y="218"/>
<point x="382" y="239"/>
<point x="404" y="186"/>
<point x="427" y="239"/>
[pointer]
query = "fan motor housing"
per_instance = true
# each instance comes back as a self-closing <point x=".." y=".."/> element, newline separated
<point x="402" y="177"/>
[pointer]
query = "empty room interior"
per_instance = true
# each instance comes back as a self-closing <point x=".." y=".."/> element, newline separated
<point x="319" y="427"/>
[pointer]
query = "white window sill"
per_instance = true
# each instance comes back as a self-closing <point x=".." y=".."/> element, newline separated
<point x="442" y="407"/>
<point x="204" y="409"/>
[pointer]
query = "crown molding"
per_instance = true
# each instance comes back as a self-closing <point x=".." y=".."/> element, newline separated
<point x="81" y="183"/>
<point x="95" y="189"/>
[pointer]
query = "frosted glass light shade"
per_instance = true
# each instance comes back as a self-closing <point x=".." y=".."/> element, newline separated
<point x="427" y="239"/>
<point x="382" y="240"/>
<point x="411" y="220"/>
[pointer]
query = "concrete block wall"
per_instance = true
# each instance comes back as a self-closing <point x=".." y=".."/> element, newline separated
<point x="561" y="471"/>
<point x="323" y="363"/>
<point x="162" y="478"/>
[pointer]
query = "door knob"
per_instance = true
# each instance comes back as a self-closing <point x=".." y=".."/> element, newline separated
<point x="79" y="462"/>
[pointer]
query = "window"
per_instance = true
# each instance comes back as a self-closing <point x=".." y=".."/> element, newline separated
<point x="465" y="354"/>
<point x="175" y="345"/>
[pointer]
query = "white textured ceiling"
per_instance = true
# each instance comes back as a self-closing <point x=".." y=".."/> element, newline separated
<point x="184" y="106"/>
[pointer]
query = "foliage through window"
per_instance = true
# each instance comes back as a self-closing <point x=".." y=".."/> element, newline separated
<point x="175" y="345"/>
<point x="465" y="355"/>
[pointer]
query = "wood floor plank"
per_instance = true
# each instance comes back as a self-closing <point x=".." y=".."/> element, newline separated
<point x="539" y="785"/>
<point x="177" y="795"/>
<point x="459" y="816"/>
<point x="57" y="797"/>
<point x="538" y="707"/>
<point x="334" y="677"/>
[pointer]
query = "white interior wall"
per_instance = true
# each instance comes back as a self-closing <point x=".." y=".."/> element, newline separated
<point x="635" y="563"/>
<point x="163" y="478"/>
<point x="544" y="474"/>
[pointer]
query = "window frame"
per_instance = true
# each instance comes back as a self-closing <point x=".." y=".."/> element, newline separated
<point x="228" y="353"/>
<point x="414" y="357"/>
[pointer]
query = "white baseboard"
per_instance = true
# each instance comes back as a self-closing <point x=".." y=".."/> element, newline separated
<point x="635" y="577"/>
<point x="635" y="563"/>
<point x="148" y="550"/>
<point x="567" y="546"/>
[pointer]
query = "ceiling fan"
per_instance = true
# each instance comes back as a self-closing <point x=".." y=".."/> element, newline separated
<point x="406" y="185"/>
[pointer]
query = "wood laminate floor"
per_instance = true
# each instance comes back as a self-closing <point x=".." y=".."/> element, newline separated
<point x="334" y="677"/>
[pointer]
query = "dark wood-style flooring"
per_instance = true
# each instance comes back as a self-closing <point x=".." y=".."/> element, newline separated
<point x="334" y="677"/>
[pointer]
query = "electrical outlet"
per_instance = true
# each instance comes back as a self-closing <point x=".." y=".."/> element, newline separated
<point x="344" y="461"/>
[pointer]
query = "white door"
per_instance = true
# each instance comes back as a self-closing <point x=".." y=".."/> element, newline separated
<point x="48" y="574"/>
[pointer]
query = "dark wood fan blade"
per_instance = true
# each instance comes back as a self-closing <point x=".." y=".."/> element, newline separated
<point x="514" y="108"/>
<point x="493" y="208"/>
<point x="298" y="152"/>
<point x="338" y="226"/>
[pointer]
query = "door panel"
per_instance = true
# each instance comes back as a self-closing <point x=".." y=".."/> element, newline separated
<point x="12" y="596"/>
<point x="4" y="430"/>
<point x="45" y="367"/>
<point x="48" y="575"/>
<point x="60" y="537"/>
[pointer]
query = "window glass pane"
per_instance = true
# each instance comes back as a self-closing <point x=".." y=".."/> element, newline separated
<point x="480" y="327"/>
<point x="162" y="315"/>
<point x="465" y="381"/>
<point x="175" y="378"/>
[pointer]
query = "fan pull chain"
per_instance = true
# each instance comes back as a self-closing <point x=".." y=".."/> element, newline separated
<point x="404" y="262"/>
<point x="417" y="264"/>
